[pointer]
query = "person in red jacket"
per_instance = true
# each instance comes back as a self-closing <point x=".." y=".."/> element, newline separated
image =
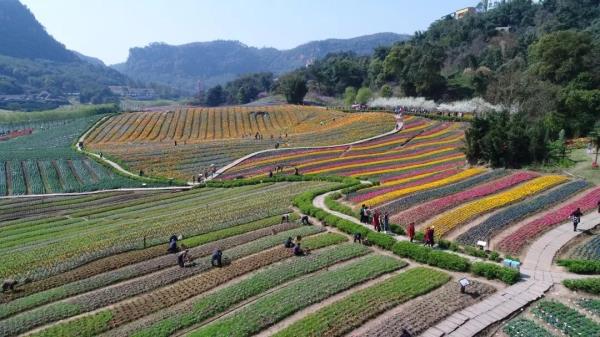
<point x="411" y="231"/>
<point x="376" y="221"/>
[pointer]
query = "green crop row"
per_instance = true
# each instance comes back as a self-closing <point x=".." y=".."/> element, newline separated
<point x="284" y="302"/>
<point x="331" y="201"/>
<point x="525" y="328"/>
<point x="568" y="320"/>
<point x="589" y="285"/>
<point x="224" y="299"/>
<point x="590" y="304"/>
<point x="351" y="312"/>
<point x="106" y="279"/>
<point x="92" y="301"/>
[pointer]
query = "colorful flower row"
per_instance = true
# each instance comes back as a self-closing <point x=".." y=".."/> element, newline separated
<point x="517" y="240"/>
<point x="347" y="164"/>
<point x="397" y="168"/>
<point x="425" y="178"/>
<point x="464" y="213"/>
<point x="497" y="222"/>
<point x="442" y="182"/>
<point x="414" y="199"/>
<point x="423" y="212"/>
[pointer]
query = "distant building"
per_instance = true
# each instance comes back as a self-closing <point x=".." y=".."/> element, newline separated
<point x="461" y="13"/>
<point x="133" y="93"/>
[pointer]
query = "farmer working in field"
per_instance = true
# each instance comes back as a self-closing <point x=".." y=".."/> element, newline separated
<point x="216" y="260"/>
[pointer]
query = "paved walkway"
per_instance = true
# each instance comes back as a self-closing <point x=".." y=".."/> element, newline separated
<point x="538" y="278"/>
<point x="319" y="202"/>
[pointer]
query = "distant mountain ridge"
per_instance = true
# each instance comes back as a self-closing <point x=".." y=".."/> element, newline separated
<point x="217" y="62"/>
<point x="32" y="63"/>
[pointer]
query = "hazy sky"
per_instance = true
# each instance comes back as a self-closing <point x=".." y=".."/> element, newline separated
<point x="108" y="28"/>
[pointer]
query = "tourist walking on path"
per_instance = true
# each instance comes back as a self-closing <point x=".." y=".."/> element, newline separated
<point x="363" y="213"/>
<point x="576" y="217"/>
<point x="598" y="206"/>
<point x="386" y="222"/>
<point x="426" y="237"/>
<point x="369" y="213"/>
<point x="432" y="237"/>
<point x="376" y="221"/>
<point x="411" y="231"/>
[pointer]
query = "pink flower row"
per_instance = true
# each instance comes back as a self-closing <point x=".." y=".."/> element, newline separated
<point x="376" y="191"/>
<point x="424" y="211"/>
<point x="517" y="240"/>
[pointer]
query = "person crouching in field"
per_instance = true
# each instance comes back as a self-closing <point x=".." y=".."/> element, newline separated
<point x="184" y="259"/>
<point x="11" y="284"/>
<point x="216" y="259"/>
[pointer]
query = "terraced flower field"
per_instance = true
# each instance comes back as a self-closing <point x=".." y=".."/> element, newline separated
<point x="184" y="143"/>
<point x="44" y="162"/>
<point x="98" y="263"/>
<point x="422" y="144"/>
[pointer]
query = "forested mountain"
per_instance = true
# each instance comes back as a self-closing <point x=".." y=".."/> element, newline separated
<point x="217" y="62"/>
<point x="33" y="62"/>
<point x="538" y="60"/>
<point x="22" y="36"/>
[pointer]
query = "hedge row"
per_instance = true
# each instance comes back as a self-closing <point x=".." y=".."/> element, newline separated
<point x="348" y="182"/>
<point x="332" y="203"/>
<point x="419" y="253"/>
<point x="590" y="267"/>
<point x="589" y="285"/>
<point x="494" y="271"/>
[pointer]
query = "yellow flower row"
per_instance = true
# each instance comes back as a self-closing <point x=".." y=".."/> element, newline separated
<point x="466" y="212"/>
<point x="405" y="191"/>
<point x="406" y="168"/>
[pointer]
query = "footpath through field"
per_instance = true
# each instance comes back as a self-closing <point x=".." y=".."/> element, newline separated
<point x="536" y="272"/>
<point x="81" y="140"/>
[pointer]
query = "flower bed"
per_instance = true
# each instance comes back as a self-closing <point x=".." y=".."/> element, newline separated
<point x="404" y="191"/>
<point x="280" y="304"/>
<point x="222" y="300"/>
<point x="150" y="260"/>
<point x="429" y="309"/>
<point x="517" y="240"/>
<point x="466" y="212"/>
<point x="406" y="202"/>
<point x="521" y="327"/>
<point x="497" y="222"/>
<point x="567" y="320"/>
<point x="589" y="250"/>
<point x="590" y="305"/>
<point x="189" y="285"/>
<point x="349" y="313"/>
<point x="423" y="212"/>
<point x="426" y="178"/>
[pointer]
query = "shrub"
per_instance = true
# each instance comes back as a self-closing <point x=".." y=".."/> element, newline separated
<point x="431" y="257"/>
<point x="381" y="240"/>
<point x="397" y="229"/>
<point x="473" y="251"/>
<point x="581" y="266"/>
<point x="494" y="271"/>
<point x="444" y="244"/>
<point x="589" y="285"/>
<point x="494" y="256"/>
